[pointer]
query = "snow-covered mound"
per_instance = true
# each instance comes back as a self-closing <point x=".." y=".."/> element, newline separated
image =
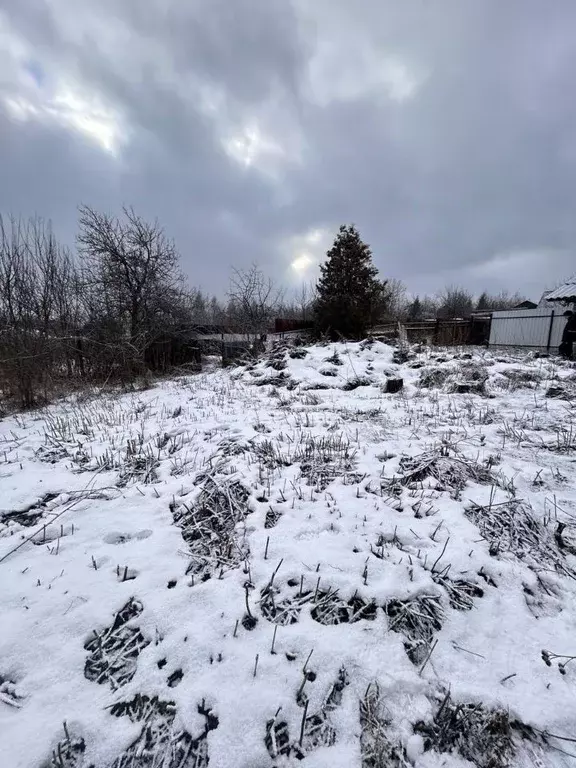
<point x="340" y="555"/>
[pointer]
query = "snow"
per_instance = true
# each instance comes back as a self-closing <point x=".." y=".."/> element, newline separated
<point x="318" y="517"/>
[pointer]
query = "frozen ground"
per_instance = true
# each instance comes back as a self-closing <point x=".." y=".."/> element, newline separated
<point x="284" y="563"/>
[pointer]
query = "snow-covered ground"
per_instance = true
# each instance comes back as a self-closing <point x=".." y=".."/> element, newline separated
<point x="284" y="562"/>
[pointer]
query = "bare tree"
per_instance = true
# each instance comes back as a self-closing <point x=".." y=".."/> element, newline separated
<point x="305" y="298"/>
<point x="39" y="307"/>
<point x="253" y="300"/>
<point x="18" y="347"/>
<point x="429" y="306"/>
<point x="300" y="304"/>
<point x="395" y="301"/>
<point x="133" y="267"/>
<point x="455" y="302"/>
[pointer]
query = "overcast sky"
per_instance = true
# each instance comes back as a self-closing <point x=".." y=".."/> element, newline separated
<point x="444" y="129"/>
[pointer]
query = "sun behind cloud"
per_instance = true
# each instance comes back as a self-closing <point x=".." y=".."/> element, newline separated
<point x="305" y="251"/>
<point x="302" y="263"/>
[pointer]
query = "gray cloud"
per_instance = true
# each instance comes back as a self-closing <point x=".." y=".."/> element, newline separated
<point x="443" y="130"/>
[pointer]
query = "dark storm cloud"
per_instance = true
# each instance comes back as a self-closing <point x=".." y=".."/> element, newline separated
<point x="481" y="162"/>
<point x="444" y="130"/>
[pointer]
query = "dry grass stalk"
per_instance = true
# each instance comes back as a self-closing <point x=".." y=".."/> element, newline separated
<point x="376" y="748"/>
<point x="68" y="753"/>
<point x="315" y="730"/>
<point x="323" y="459"/>
<point x="512" y="527"/>
<point x="209" y="527"/>
<point x="417" y="619"/>
<point x="115" y="650"/>
<point x="445" y="470"/>
<point x="478" y="734"/>
<point x="159" y="744"/>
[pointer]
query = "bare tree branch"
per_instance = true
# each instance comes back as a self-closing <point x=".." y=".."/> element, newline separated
<point x="253" y="300"/>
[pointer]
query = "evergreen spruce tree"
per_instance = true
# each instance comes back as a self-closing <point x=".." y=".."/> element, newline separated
<point x="349" y="293"/>
<point x="415" y="309"/>
<point x="482" y="302"/>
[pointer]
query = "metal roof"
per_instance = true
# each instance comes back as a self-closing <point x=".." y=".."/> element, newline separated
<point x="563" y="293"/>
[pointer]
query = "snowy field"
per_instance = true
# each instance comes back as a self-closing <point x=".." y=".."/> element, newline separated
<point x="287" y="564"/>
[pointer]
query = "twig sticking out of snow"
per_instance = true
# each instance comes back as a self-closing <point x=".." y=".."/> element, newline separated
<point x="85" y="493"/>
<point x="69" y="752"/>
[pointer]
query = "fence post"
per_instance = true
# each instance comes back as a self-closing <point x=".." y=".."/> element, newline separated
<point x="550" y="331"/>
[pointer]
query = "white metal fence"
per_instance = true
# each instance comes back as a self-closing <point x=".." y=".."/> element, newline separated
<point x="541" y="328"/>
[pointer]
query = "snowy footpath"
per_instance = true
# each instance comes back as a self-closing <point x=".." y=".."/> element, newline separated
<point x="290" y="563"/>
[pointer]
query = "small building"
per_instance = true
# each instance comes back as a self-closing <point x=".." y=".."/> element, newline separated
<point x="564" y="295"/>
<point x="538" y="327"/>
<point x="543" y="303"/>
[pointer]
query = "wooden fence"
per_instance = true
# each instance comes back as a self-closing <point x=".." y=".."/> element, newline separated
<point x="442" y="333"/>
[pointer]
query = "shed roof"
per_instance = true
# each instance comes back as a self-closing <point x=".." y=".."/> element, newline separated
<point x="565" y="292"/>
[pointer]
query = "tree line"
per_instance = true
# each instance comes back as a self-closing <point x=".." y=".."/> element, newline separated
<point x="118" y="305"/>
<point x="112" y="309"/>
